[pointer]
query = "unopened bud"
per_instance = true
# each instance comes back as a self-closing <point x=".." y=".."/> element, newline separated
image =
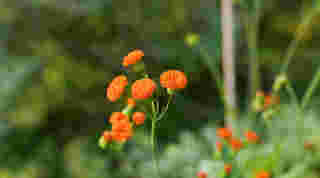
<point x="280" y="81"/>
<point x="258" y="102"/>
<point x="192" y="39"/>
<point x="102" y="142"/>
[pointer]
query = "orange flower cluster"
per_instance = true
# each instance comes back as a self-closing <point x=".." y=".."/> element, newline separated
<point x="202" y="174"/>
<point x="118" y="116"/>
<point x="263" y="174"/>
<point x="121" y="131"/>
<point x="251" y="136"/>
<point x="224" y="133"/>
<point x="235" y="143"/>
<point x="122" y="127"/>
<point x="132" y="58"/>
<point x="141" y="89"/>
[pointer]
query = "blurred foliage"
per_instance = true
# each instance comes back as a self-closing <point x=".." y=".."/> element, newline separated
<point x="57" y="56"/>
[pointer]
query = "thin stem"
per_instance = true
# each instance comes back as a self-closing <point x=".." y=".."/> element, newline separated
<point x="306" y="98"/>
<point x="252" y="24"/>
<point x="306" y="21"/>
<point x="153" y="142"/>
<point x="216" y="73"/>
<point x="165" y="110"/>
<point x="292" y="94"/>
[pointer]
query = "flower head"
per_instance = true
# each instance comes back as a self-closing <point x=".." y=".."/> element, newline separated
<point x="270" y="100"/>
<point x="118" y="116"/>
<point x="262" y="174"/>
<point x="173" y="79"/>
<point x="132" y="58"/>
<point x="227" y="168"/>
<point x="121" y="131"/>
<point x="143" y="88"/>
<point x="116" y="87"/>
<point x="224" y="133"/>
<point x="202" y="174"/>
<point x="251" y="136"/>
<point x="236" y="144"/>
<point x="138" y="118"/>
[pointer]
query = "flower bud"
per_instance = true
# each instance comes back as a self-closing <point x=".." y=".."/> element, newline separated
<point x="280" y="81"/>
<point x="192" y="39"/>
<point x="102" y="142"/>
<point x="258" y="102"/>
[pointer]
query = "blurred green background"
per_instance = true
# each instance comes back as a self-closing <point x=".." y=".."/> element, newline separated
<point x="57" y="57"/>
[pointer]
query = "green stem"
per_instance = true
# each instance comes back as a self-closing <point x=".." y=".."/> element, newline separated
<point x="294" y="44"/>
<point x="215" y="71"/>
<point x="252" y="29"/>
<point x="306" y="98"/>
<point x="153" y="127"/>
<point x="165" y="109"/>
<point x="292" y="94"/>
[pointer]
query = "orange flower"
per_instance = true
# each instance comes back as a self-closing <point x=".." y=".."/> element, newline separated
<point x="138" y="118"/>
<point x="173" y="79"/>
<point x="227" y="168"/>
<point x="270" y="100"/>
<point x="251" y="136"/>
<point x="107" y="136"/>
<point x="267" y="101"/>
<point x="118" y="116"/>
<point x="224" y="133"/>
<point x="262" y="174"/>
<point x="131" y="102"/>
<point x="202" y="174"/>
<point x="143" y="88"/>
<point x="116" y="87"/>
<point x="133" y="57"/>
<point x="236" y="144"/>
<point x="121" y="131"/>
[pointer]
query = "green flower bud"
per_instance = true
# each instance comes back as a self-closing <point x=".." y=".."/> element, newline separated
<point x="280" y="81"/>
<point x="102" y="143"/>
<point x="192" y="39"/>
